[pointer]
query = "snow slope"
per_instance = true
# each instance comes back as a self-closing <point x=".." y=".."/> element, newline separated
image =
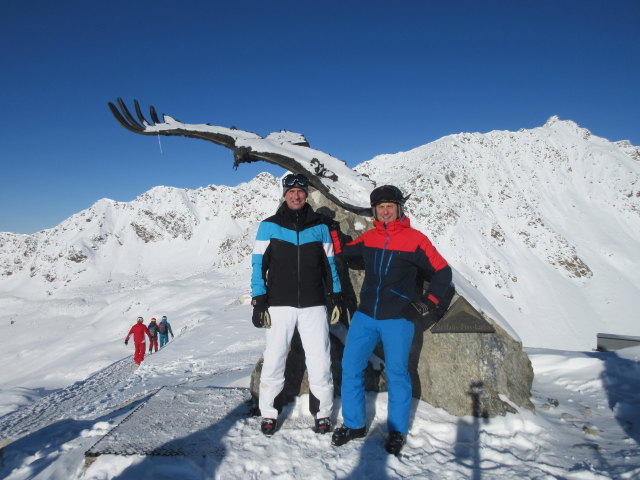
<point x="586" y="425"/>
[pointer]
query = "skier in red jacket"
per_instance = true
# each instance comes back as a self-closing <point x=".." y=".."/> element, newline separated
<point x="139" y="330"/>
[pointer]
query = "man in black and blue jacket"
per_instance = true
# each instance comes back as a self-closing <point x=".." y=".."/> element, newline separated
<point x="294" y="277"/>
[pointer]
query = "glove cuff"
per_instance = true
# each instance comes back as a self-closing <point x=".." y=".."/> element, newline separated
<point x="260" y="301"/>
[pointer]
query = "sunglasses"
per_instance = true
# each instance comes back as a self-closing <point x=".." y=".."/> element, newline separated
<point x="295" y="180"/>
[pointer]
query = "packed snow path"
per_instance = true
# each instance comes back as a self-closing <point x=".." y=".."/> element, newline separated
<point x="180" y="420"/>
<point x="69" y="402"/>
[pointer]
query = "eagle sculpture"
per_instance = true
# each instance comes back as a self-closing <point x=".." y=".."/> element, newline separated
<point x="291" y="151"/>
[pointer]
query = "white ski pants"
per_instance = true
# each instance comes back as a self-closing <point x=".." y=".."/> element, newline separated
<point x="314" y="332"/>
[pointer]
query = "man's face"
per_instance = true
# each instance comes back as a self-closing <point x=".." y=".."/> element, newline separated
<point x="295" y="198"/>
<point x="386" y="212"/>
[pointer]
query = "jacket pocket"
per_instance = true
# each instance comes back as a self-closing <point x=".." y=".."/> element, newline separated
<point x="400" y="295"/>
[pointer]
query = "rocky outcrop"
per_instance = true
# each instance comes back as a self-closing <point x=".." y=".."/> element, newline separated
<point x="482" y="371"/>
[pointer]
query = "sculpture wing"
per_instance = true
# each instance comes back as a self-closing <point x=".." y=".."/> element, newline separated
<point x="288" y="150"/>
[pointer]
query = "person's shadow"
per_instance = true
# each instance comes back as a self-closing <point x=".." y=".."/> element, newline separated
<point x="621" y="381"/>
<point x="467" y="447"/>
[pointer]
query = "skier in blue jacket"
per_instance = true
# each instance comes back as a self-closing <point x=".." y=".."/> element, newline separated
<point x="164" y="329"/>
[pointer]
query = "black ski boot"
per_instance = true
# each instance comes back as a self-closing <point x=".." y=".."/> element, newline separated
<point x="395" y="442"/>
<point x="268" y="426"/>
<point x="344" y="434"/>
<point x="323" y="425"/>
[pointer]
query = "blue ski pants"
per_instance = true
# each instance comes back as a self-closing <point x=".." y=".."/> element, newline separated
<point x="164" y="339"/>
<point x="364" y="333"/>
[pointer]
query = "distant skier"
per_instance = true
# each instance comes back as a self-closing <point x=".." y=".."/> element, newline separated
<point x="153" y="330"/>
<point x="139" y="330"/>
<point x="164" y="329"/>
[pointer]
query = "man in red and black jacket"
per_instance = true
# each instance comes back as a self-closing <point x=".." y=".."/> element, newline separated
<point x="394" y="256"/>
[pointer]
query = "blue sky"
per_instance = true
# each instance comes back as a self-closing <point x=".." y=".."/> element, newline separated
<point x="357" y="78"/>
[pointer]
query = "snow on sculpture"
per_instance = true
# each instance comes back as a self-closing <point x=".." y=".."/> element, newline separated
<point x="289" y="150"/>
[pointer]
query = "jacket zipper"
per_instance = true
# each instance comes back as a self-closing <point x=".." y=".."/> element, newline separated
<point x="384" y="248"/>
<point x="298" y="254"/>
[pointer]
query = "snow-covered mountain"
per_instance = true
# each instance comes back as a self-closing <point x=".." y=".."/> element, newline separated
<point x="165" y="233"/>
<point x="544" y="222"/>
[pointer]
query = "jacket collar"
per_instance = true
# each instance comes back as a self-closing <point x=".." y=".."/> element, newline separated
<point x="299" y="217"/>
<point x="393" y="227"/>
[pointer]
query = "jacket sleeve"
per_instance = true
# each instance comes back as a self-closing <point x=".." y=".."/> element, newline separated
<point x="354" y="248"/>
<point x="437" y="270"/>
<point x="146" y="330"/>
<point x="130" y="333"/>
<point x="258" y="273"/>
<point x="329" y="245"/>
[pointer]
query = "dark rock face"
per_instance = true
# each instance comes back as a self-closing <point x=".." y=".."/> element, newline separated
<point x="464" y="364"/>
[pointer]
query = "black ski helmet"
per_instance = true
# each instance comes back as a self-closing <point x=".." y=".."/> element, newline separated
<point x="387" y="193"/>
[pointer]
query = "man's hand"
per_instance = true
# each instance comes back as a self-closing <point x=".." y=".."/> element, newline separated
<point x="126" y="342"/>
<point x="336" y="307"/>
<point x="260" y="317"/>
<point x="422" y="313"/>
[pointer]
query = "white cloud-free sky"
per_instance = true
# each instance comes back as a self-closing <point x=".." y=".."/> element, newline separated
<point x="357" y="78"/>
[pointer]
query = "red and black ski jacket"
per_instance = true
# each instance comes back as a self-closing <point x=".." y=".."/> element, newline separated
<point x="394" y="254"/>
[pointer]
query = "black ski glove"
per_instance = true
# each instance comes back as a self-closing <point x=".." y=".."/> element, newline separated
<point x="126" y="342"/>
<point x="260" y="317"/>
<point x="422" y="313"/>
<point x="336" y="308"/>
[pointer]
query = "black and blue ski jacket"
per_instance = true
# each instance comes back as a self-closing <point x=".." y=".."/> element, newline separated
<point x="293" y="259"/>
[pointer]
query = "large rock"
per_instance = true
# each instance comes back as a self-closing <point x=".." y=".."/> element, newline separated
<point x="464" y="364"/>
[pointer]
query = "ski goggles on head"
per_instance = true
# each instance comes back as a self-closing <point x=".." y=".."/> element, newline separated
<point x="295" y="180"/>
